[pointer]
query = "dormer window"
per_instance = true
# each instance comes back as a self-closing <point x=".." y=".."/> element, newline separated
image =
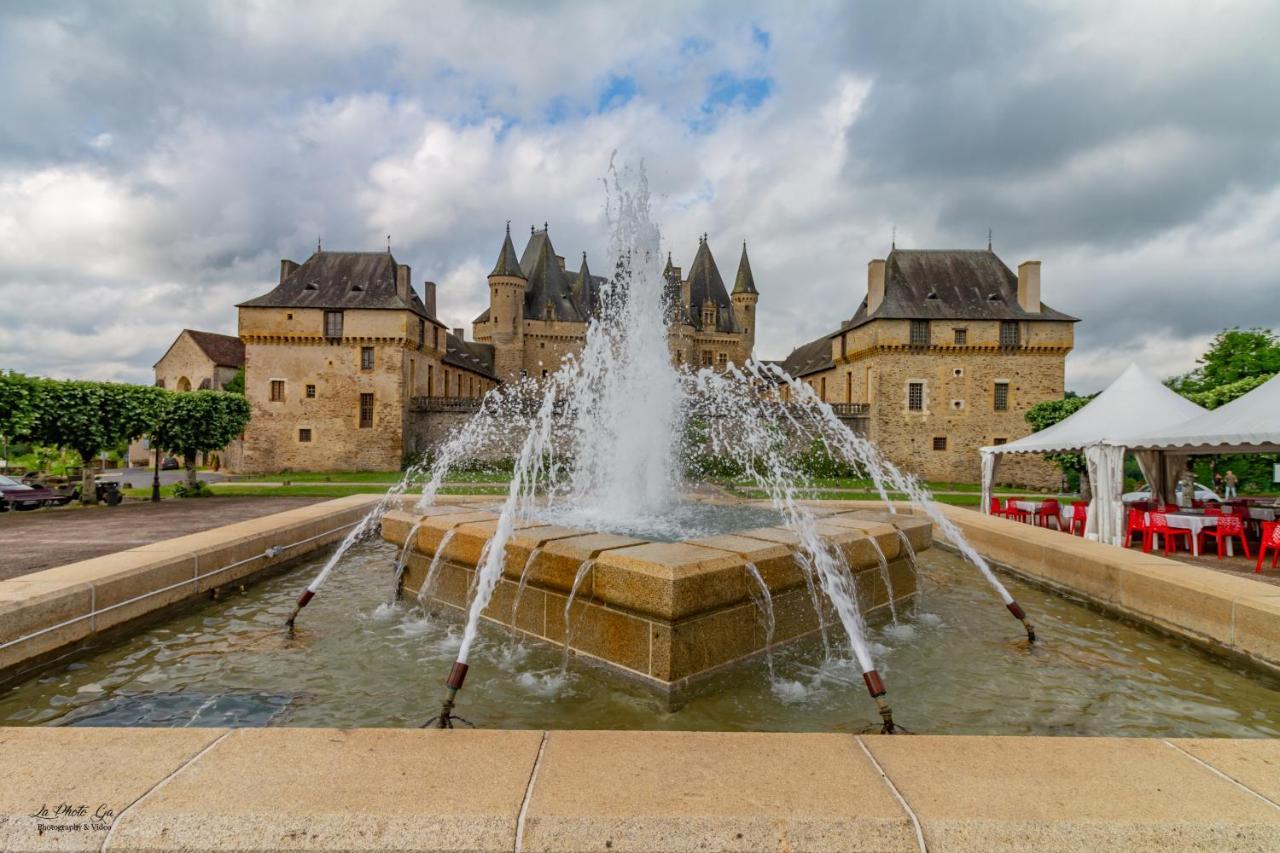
<point x="311" y="285"/>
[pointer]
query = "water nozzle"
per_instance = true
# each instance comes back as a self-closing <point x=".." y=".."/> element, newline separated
<point x="1021" y="616"/>
<point x="303" y="601"/>
<point x="444" y="720"/>
<point x="875" y="686"/>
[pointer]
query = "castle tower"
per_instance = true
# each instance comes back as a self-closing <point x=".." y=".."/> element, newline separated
<point x="506" y="311"/>
<point x="745" y="296"/>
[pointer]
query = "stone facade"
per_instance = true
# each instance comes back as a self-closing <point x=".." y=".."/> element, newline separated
<point x="334" y="358"/>
<point x="947" y="352"/>
<point x="539" y="311"/>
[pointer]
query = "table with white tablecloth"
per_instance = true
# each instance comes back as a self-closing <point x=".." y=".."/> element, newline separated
<point x="1194" y="522"/>
<point x="1032" y="507"/>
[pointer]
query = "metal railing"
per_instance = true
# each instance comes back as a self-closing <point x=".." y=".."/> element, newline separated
<point x="445" y="404"/>
<point x="851" y="410"/>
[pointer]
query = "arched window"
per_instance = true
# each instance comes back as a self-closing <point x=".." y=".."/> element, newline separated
<point x="184" y="384"/>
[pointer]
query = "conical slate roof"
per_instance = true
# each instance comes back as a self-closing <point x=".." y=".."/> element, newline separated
<point x="706" y="285"/>
<point x="548" y="286"/>
<point x="745" y="281"/>
<point x="508" y="261"/>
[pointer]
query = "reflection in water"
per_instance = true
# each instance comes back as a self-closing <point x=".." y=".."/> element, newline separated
<point x="364" y="663"/>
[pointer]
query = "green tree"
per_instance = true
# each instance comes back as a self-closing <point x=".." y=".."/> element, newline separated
<point x="235" y="385"/>
<point x="199" y="422"/>
<point x="1234" y="354"/>
<point x="18" y="412"/>
<point x="1046" y="414"/>
<point x="89" y="417"/>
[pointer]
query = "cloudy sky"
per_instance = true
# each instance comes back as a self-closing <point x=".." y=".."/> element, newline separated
<point x="158" y="159"/>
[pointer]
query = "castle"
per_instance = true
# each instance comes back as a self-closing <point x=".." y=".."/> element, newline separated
<point x="347" y="367"/>
<point x="945" y="354"/>
<point x="538" y="311"/>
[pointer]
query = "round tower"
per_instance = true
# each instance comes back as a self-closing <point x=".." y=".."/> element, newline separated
<point x="745" y="296"/>
<point x="506" y="312"/>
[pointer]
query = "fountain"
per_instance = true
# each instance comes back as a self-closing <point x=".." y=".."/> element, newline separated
<point x="597" y="548"/>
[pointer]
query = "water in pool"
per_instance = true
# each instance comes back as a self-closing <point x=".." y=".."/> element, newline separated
<point x="955" y="664"/>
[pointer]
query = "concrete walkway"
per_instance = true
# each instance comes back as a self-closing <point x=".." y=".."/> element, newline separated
<point x="31" y="541"/>
<point x="365" y="789"/>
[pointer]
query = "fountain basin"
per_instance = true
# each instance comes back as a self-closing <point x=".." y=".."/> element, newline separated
<point x="666" y="613"/>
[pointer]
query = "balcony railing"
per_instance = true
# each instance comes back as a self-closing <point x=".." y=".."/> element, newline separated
<point x="851" y="410"/>
<point x="445" y="404"/>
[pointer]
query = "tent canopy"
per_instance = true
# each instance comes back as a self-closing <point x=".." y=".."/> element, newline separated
<point x="1129" y="406"/>
<point x="1248" y="424"/>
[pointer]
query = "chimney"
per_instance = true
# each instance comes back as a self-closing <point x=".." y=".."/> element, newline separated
<point x="402" y="281"/>
<point x="286" y="268"/>
<point x="429" y="298"/>
<point x="560" y="261"/>
<point x="1029" y="286"/>
<point x="460" y="334"/>
<point x="875" y="285"/>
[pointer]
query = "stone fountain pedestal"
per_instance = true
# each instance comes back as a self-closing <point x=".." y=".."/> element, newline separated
<point x="666" y="613"/>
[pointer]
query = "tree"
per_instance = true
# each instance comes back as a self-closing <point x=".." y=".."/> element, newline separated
<point x="18" y="412"/>
<point x="1046" y="414"/>
<point x="235" y="385"/>
<point x="199" y="422"/>
<point x="88" y="417"/>
<point x="1233" y="355"/>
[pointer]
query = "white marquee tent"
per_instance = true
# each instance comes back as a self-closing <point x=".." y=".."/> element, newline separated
<point x="1134" y="404"/>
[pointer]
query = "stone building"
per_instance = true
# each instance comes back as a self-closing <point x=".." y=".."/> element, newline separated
<point x="195" y="360"/>
<point x="340" y="356"/>
<point x="944" y="355"/>
<point x="539" y="311"/>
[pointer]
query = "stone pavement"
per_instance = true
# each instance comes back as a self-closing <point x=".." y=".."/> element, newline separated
<point x="31" y="541"/>
<point x="383" y="789"/>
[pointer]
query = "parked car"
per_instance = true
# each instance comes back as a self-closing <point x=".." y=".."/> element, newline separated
<point x="170" y="463"/>
<point x="20" y="496"/>
<point x="65" y="490"/>
<point x="1202" y="493"/>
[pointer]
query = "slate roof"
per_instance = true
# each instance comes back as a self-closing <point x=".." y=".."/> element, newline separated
<point x="469" y="355"/>
<point x="706" y="285"/>
<point x="929" y="284"/>
<point x="932" y="284"/>
<point x="745" y="282"/>
<point x="508" y="262"/>
<point x="571" y="296"/>
<point x="342" y="280"/>
<point x="223" y="350"/>
<point x="809" y="358"/>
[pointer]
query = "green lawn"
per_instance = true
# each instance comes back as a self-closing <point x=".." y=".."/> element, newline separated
<point x="858" y="484"/>
<point x="367" y="477"/>
<point x="318" y="490"/>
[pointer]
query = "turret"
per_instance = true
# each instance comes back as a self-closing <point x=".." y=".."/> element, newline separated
<point x="745" y="296"/>
<point x="506" y="311"/>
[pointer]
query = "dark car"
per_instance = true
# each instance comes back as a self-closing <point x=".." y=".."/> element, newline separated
<point x="65" y="490"/>
<point x="20" y="496"/>
<point x="169" y="463"/>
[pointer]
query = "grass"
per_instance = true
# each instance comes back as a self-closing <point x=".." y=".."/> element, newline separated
<point x="366" y="477"/>
<point x="865" y="485"/>
<point x="317" y="490"/>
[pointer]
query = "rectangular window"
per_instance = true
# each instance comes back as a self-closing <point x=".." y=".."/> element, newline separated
<point x="435" y="337"/>
<point x="844" y="346"/>
<point x="333" y="324"/>
<point x="823" y="392"/>
<point x="422" y="332"/>
<point x="706" y="358"/>
<point x="366" y="411"/>
<point x="304" y="435"/>
<point x="919" y="333"/>
<point x="722" y="359"/>
<point x="431" y="380"/>
<point x="277" y="390"/>
<point x="1002" y="397"/>
<point x="962" y="337"/>
<point x="366" y="358"/>
<point x="1009" y="333"/>
<point x="311" y="392"/>
<point x="915" y="396"/>
<point x="939" y="442"/>
<point x="999" y="441"/>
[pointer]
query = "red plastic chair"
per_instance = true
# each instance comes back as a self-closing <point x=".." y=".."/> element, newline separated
<point x="1012" y="512"/>
<point x="1049" y="509"/>
<point x="1137" y="524"/>
<point x="1227" y="527"/>
<point x="1079" y="517"/>
<point x="1270" y="542"/>
<point x="997" y="510"/>
<point x="1171" y="536"/>
<point x="1212" y="511"/>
